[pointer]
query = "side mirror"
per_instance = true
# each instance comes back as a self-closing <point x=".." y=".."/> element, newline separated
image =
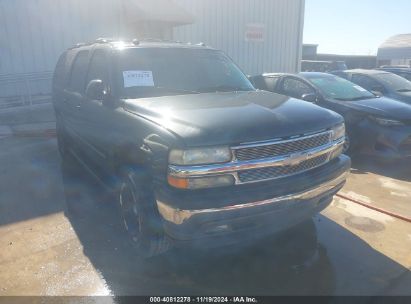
<point x="310" y="97"/>
<point x="96" y="90"/>
<point x="377" y="91"/>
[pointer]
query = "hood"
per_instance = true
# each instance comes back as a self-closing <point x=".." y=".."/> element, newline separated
<point x="233" y="117"/>
<point x="382" y="106"/>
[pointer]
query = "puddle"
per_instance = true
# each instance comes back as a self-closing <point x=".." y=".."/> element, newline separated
<point x="364" y="224"/>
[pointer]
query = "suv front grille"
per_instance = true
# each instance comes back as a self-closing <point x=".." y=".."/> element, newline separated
<point x="282" y="147"/>
<point x="281" y="171"/>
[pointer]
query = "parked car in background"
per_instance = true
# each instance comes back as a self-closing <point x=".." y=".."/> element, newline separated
<point x="193" y="152"/>
<point x="380" y="83"/>
<point x="400" y="71"/>
<point x="377" y="126"/>
<point x="322" y="66"/>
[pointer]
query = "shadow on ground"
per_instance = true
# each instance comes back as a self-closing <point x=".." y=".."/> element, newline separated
<point x="400" y="169"/>
<point x="30" y="179"/>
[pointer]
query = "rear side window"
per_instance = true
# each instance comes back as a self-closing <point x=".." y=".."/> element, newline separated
<point x="79" y="72"/>
<point x="365" y="81"/>
<point x="405" y="75"/>
<point x="59" y="77"/>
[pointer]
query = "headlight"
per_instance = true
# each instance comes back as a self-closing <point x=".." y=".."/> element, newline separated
<point x="386" y="122"/>
<point x="199" y="156"/>
<point x="338" y="131"/>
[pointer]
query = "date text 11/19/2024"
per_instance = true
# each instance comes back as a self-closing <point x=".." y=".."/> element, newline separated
<point x="237" y="299"/>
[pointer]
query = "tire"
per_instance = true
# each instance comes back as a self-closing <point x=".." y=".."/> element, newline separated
<point x="349" y="146"/>
<point x="138" y="215"/>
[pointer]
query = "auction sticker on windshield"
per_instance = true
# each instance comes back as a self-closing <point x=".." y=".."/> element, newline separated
<point x="138" y="79"/>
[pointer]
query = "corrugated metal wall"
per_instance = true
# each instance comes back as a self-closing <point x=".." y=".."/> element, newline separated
<point x="33" y="33"/>
<point x="222" y="24"/>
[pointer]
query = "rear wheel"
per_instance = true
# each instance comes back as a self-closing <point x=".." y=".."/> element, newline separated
<point x="139" y="216"/>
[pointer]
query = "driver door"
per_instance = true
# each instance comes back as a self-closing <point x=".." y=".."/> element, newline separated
<point x="95" y="111"/>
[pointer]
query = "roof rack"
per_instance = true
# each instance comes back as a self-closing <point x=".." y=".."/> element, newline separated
<point x="98" y="40"/>
<point x="135" y="41"/>
<point x="104" y="40"/>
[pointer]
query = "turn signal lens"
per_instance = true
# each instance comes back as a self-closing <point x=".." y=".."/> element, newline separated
<point x="181" y="183"/>
<point x="201" y="182"/>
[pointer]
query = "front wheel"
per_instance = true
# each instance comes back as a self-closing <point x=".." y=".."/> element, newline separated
<point x="349" y="146"/>
<point x="139" y="216"/>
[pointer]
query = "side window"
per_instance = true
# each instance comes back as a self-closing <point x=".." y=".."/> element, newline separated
<point x="365" y="81"/>
<point x="78" y="72"/>
<point x="405" y="75"/>
<point x="267" y="83"/>
<point x="98" y="67"/>
<point x="295" y="88"/>
<point x="271" y="83"/>
<point x="59" y="76"/>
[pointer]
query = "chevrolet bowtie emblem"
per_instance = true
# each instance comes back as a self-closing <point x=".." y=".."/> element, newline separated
<point x="296" y="158"/>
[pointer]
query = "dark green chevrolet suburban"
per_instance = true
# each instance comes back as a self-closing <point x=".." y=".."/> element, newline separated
<point x="192" y="151"/>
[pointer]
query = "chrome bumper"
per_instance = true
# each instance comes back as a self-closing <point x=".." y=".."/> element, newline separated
<point x="178" y="216"/>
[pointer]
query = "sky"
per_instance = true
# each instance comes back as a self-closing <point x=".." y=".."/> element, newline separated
<point x="354" y="27"/>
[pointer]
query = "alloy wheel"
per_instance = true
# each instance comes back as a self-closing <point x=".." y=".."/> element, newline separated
<point x="130" y="214"/>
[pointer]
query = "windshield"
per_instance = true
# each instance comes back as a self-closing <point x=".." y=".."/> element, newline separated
<point x="146" y="72"/>
<point x="394" y="82"/>
<point x="339" y="88"/>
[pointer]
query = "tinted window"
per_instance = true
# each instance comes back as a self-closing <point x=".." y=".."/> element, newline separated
<point x="406" y="76"/>
<point x="295" y="88"/>
<point x="98" y="67"/>
<point x="143" y="72"/>
<point x="271" y="83"/>
<point x="366" y="82"/>
<point x="78" y="72"/>
<point x="394" y="82"/>
<point x="267" y="83"/>
<point x="59" y="76"/>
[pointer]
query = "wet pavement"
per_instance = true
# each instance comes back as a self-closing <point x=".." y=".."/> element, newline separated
<point x="58" y="236"/>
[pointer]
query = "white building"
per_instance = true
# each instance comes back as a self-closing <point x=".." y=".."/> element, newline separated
<point x="396" y="50"/>
<point x="260" y="35"/>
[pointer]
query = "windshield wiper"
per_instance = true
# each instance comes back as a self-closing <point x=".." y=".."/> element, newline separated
<point x="404" y="90"/>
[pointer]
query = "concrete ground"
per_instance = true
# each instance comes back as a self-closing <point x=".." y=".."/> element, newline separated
<point x="58" y="237"/>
